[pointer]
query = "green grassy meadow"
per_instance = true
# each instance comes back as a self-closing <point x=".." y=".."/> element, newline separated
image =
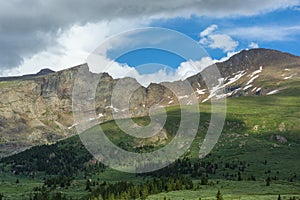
<point x="247" y="148"/>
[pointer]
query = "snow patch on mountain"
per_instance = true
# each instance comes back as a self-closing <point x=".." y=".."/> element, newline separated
<point x="221" y="85"/>
<point x="253" y="89"/>
<point x="70" y="127"/>
<point x="113" y="108"/>
<point x="256" y="72"/>
<point x="237" y="76"/>
<point x="221" y="96"/>
<point x="247" y="87"/>
<point x="200" y="91"/>
<point x="289" y="77"/>
<point x="183" y="97"/>
<point x="273" y="92"/>
<point x="252" y="79"/>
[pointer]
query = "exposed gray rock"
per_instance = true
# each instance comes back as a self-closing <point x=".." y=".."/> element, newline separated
<point x="279" y="138"/>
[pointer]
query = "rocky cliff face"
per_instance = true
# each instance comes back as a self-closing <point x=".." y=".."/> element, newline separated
<point x="37" y="109"/>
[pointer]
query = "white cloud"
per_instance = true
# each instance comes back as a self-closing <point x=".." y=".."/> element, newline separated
<point x="253" y="45"/>
<point x="183" y="71"/>
<point x="222" y="41"/>
<point x="265" y="33"/>
<point x="73" y="46"/>
<point x="189" y="68"/>
<point x="228" y="55"/>
<point x="25" y="33"/>
<point x="117" y="70"/>
<point x="217" y="41"/>
<point x="208" y="30"/>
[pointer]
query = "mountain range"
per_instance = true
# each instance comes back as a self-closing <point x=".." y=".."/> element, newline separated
<point x="37" y="109"/>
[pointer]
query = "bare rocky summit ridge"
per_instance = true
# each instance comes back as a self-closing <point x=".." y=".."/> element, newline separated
<point x="252" y="72"/>
<point x="37" y="109"/>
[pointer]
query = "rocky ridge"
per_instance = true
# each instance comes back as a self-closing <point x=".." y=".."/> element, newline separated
<point x="37" y="109"/>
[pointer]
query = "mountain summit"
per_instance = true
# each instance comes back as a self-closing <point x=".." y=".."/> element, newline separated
<point x="252" y="72"/>
<point x="45" y="72"/>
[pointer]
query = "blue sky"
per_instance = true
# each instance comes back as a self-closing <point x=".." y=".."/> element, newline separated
<point x="144" y="56"/>
<point x="269" y="27"/>
<point x="289" y="42"/>
<point x="31" y="41"/>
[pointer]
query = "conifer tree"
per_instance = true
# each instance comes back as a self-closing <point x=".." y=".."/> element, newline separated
<point x="219" y="195"/>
